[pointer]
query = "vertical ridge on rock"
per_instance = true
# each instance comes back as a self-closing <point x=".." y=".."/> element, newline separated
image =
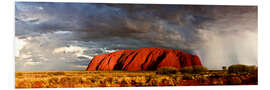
<point x="146" y="60"/>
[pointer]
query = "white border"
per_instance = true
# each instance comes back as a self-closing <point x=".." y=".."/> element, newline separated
<point x="7" y="37"/>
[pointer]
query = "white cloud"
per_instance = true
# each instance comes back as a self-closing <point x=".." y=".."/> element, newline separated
<point x="76" y="50"/>
<point x="82" y="55"/>
<point x="63" y="32"/>
<point x="19" y="44"/>
<point x="80" y="66"/>
<point x="40" y="8"/>
<point x="31" y="63"/>
<point x="107" y="51"/>
<point x="49" y="51"/>
<point x="69" y="49"/>
<point x="25" y="55"/>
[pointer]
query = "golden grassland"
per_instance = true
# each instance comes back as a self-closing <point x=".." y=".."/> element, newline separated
<point x="83" y="79"/>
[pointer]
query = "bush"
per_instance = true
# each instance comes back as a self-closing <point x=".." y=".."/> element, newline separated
<point x="56" y="73"/>
<point x="194" y="69"/>
<point x="242" y="68"/>
<point x="187" y="77"/>
<point x="252" y="68"/>
<point x="167" y="70"/>
<point x="199" y="69"/>
<point x="235" y="81"/>
<point x="237" y="68"/>
<point x="186" y="69"/>
<point x="224" y="68"/>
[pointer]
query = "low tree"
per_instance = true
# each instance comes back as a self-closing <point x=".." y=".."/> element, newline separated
<point x="193" y="69"/>
<point x="224" y="68"/>
<point x="199" y="69"/>
<point x="187" y="76"/>
<point x="167" y="70"/>
<point x="188" y="69"/>
<point x="242" y="68"/>
<point x="252" y="69"/>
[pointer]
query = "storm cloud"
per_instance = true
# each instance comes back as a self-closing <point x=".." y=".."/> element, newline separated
<point x="66" y="36"/>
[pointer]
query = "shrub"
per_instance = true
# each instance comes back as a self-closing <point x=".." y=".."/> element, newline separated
<point x="167" y="70"/>
<point x="194" y="69"/>
<point x="224" y="68"/>
<point x="252" y="68"/>
<point x="187" y="77"/>
<point x="53" y="80"/>
<point x="235" y="81"/>
<point x="199" y="69"/>
<point x="18" y="74"/>
<point x="186" y="69"/>
<point x="56" y="73"/>
<point x="237" y="68"/>
<point x="242" y="68"/>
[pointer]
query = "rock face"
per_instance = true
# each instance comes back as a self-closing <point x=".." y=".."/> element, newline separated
<point x="143" y="59"/>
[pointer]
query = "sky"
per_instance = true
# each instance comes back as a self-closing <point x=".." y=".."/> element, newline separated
<point x="66" y="36"/>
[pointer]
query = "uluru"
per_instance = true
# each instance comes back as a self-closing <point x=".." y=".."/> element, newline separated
<point x="143" y="59"/>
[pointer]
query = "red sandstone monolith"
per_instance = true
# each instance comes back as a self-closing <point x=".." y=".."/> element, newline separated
<point x="143" y="59"/>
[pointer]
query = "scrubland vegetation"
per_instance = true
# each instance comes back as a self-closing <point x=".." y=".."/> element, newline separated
<point x="167" y="76"/>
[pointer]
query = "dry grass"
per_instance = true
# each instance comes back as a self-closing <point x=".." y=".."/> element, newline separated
<point x="81" y="79"/>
